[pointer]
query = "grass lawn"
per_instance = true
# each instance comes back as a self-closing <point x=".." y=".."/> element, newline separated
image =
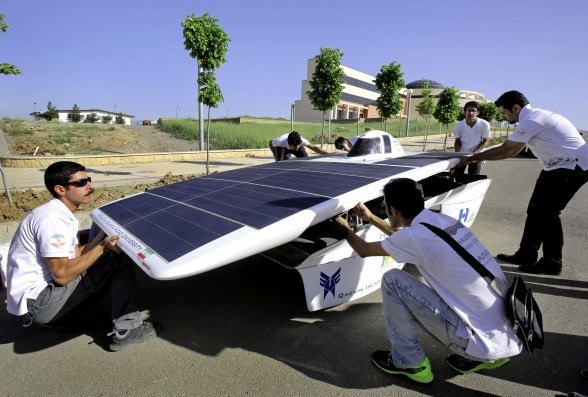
<point x="255" y="133"/>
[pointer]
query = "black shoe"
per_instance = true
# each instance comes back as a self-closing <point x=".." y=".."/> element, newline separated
<point x="518" y="258"/>
<point x="421" y="373"/>
<point x="462" y="365"/>
<point x="124" y="338"/>
<point x="543" y="266"/>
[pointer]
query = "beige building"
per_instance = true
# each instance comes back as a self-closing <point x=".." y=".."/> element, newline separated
<point x="358" y="98"/>
<point x="64" y="115"/>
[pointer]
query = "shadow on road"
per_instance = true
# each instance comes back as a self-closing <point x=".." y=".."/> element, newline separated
<point x="256" y="306"/>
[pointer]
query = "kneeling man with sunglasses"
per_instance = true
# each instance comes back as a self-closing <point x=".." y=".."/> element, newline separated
<point x="52" y="278"/>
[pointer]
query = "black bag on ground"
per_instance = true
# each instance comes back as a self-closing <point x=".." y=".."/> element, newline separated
<point x="524" y="314"/>
<point x="522" y="310"/>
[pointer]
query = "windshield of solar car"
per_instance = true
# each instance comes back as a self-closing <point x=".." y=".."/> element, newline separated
<point x="365" y="146"/>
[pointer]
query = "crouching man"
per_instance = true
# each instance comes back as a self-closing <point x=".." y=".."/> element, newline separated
<point x="458" y="307"/>
<point x="49" y="275"/>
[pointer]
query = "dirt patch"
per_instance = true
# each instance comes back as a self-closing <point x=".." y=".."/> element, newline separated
<point x="24" y="202"/>
<point x="58" y="139"/>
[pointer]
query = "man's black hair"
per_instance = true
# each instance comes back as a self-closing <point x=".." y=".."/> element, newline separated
<point x="406" y="196"/>
<point x="294" y="138"/>
<point x="339" y="142"/>
<point x="472" y="104"/>
<point x="59" y="173"/>
<point x="511" y="98"/>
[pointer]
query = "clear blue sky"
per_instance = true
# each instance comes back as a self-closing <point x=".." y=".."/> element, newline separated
<point x="130" y="54"/>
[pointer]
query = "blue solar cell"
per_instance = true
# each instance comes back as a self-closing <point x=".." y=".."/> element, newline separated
<point x="352" y="170"/>
<point x="254" y="205"/>
<point x="134" y="207"/>
<point x="191" y="188"/>
<point x="322" y="184"/>
<point x="179" y="230"/>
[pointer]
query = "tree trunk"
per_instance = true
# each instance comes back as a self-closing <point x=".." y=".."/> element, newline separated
<point x="445" y="140"/>
<point x="323" y="130"/>
<point x="208" y="142"/>
<point x="200" y="116"/>
<point x="427" y="123"/>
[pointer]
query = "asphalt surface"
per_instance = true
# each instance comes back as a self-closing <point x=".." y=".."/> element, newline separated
<point x="243" y="330"/>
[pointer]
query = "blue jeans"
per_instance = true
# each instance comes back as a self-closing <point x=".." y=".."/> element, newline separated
<point x="408" y="302"/>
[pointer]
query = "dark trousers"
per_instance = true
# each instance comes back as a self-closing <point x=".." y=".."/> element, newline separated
<point x="553" y="191"/>
<point x="473" y="169"/>
<point x="111" y="274"/>
<point x="286" y="153"/>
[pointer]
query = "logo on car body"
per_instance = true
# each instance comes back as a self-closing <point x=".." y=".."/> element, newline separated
<point x="329" y="282"/>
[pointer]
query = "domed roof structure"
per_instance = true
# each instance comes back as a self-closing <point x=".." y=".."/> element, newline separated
<point x="421" y="84"/>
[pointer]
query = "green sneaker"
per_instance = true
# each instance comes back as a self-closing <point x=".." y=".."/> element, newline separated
<point x="421" y="373"/>
<point x="462" y="365"/>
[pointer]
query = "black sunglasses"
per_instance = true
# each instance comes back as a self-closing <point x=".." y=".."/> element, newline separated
<point x="79" y="183"/>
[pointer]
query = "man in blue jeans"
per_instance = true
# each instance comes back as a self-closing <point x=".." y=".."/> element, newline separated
<point x="51" y="276"/>
<point x="458" y="307"/>
<point x="563" y="153"/>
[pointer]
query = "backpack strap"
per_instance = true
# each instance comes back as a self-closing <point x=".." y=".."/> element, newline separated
<point x="499" y="286"/>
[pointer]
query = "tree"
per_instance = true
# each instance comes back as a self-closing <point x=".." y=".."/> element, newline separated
<point x="426" y="109"/>
<point x="489" y="112"/>
<point x="210" y="95"/>
<point x="389" y="82"/>
<point x="75" y="115"/>
<point x="51" y="112"/>
<point x="447" y="109"/>
<point x="119" y="119"/>
<point x="327" y="82"/>
<point x="91" y="118"/>
<point x="6" y="68"/>
<point x="207" y="43"/>
<point x="106" y="119"/>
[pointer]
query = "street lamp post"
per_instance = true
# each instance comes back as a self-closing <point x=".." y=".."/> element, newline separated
<point x="177" y="107"/>
<point x="408" y="111"/>
<point x="292" y="112"/>
<point x="115" y="109"/>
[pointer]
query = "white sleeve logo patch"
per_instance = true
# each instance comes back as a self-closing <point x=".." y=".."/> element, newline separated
<point x="57" y="240"/>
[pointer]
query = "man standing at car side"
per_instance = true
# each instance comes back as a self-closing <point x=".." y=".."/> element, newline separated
<point x="563" y="153"/>
<point x="471" y="136"/>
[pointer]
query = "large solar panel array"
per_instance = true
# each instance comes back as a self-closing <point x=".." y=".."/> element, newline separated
<point x="178" y="218"/>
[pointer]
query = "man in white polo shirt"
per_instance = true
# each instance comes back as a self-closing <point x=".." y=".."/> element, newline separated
<point x="286" y="145"/>
<point x="50" y="275"/>
<point x="459" y="309"/>
<point x="471" y="136"/>
<point x="563" y="153"/>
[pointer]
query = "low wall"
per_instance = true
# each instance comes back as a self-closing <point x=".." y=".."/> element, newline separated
<point x="107" y="159"/>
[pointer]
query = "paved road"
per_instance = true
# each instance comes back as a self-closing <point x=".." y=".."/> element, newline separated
<point x="243" y="330"/>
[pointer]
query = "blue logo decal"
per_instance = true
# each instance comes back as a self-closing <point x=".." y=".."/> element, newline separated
<point x="463" y="215"/>
<point x="329" y="283"/>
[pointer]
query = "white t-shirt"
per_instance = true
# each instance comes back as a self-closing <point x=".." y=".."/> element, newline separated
<point x="457" y="283"/>
<point x="552" y="138"/>
<point x="282" y="141"/>
<point x="470" y="137"/>
<point x="49" y="231"/>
